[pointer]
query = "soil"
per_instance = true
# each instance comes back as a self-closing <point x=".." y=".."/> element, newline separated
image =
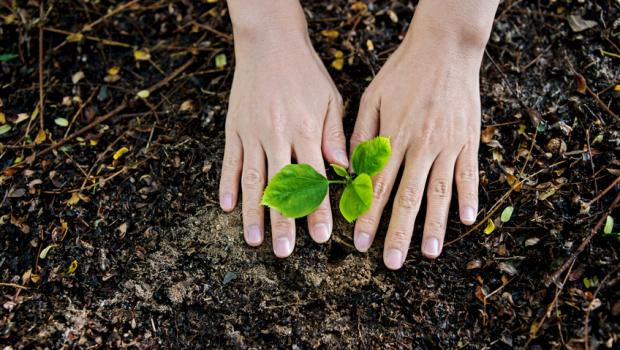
<point x="157" y="264"/>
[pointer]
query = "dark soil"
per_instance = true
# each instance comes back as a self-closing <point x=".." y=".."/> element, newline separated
<point x="160" y="266"/>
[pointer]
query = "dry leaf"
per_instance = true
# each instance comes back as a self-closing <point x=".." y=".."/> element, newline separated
<point x="187" y="106"/>
<point x="490" y="227"/>
<point x="514" y="183"/>
<point x="581" y="84"/>
<point x="578" y="24"/>
<point x="338" y="63"/>
<point x="21" y="117"/>
<point x="75" y="78"/>
<point x="144" y="94"/>
<point x="369" y="45"/>
<point x="75" y="37"/>
<point x="142" y="55"/>
<point x="120" y="153"/>
<point x="75" y="198"/>
<point x="2" y="118"/>
<point x="330" y="33"/>
<point x="72" y="267"/>
<point x="487" y="134"/>
<point x="41" y="137"/>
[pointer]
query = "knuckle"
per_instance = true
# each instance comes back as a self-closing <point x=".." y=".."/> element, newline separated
<point x="399" y="237"/>
<point x="410" y="197"/>
<point x="427" y="135"/>
<point x="336" y="134"/>
<point x="252" y="178"/>
<point x="468" y="174"/>
<point x="251" y="214"/>
<point x="231" y="163"/>
<point x="359" y="135"/>
<point x="282" y="227"/>
<point x="468" y="197"/>
<point x="435" y="227"/>
<point x="380" y="188"/>
<point x="308" y="129"/>
<point x="440" y="188"/>
<point x="321" y="213"/>
<point x="367" y="221"/>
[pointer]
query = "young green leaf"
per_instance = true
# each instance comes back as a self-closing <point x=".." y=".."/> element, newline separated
<point x="296" y="190"/>
<point x="507" y="213"/>
<point x="340" y="171"/>
<point x="7" y="57"/>
<point x="356" y="198"/>
<point x="371" y="156"/>
<point x="609" y="225"/>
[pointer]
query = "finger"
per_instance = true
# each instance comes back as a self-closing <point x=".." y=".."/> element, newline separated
<point x="382" y="183"/>
<point x="320" y="222"/>
<point x="438" y="195"/>
<point x="405" y="209"/>
<point x="282" y="228"/>
<point x="334" y="144"/>
<point x="252" y="185"/>
<point x="231" y="171"/>
<point x="467" y="182"/>
<point x="367" y="123"/>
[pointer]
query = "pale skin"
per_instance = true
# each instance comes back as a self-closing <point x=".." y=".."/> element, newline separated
<point x="284" y="105"/>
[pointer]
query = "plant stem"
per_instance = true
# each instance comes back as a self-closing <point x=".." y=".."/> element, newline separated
<point x="344" y="182"/>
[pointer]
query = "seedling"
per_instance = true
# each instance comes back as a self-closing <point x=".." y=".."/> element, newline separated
<point x="298" y="189"/>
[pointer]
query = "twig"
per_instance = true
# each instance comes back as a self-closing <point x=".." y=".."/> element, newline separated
<point x="603" y="192"/>
<point x="586" y="319"/>
<point x="41" y="100"/>
<point x="14" y="285"/>
<point x="214" y="31"/>
<point x="539" y="324"/>
<point x="602" y="104"/>
<point x="119" y="8"/>
<point x="592" y="93"/>
<point x="554" y="277"/>
<point x="93" y="38"/>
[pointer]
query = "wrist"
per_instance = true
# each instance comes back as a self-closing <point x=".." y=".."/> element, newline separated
<point x="464" y="26"/>
<point x="265" y="20"/>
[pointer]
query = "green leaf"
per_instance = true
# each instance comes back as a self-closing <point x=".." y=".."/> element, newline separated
<point x="220" y="61"/>
<point x="371" y="156"/>
<point x="609" y="225"/>
<point x="356" y="198"/>
<point x="4" y="129"/>
<point x="61" y="122"/>
<point x="296" y="190"/>
<point x="7" y="57"/>
<point x="340" y="171"/>
<point x="46" y="250"/>
<point x="507" y="213"/>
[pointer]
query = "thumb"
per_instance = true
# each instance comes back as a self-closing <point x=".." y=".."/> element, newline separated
<point x="334" y="143"/>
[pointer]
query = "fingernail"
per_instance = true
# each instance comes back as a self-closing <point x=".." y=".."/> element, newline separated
<point x="341" y="157"/>
<point x="431" y="247"/>
<point x="469" y="214"/>
<point x="362" y="242"/>
<point x="393" y="259"/>
<point x="227" y="202"/>
<point x="253" y="235"/>
<point x="283" y="247"/>
<point x="321" y="233"/>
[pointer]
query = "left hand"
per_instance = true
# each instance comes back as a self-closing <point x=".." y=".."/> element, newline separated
<point x="426" y="100"/>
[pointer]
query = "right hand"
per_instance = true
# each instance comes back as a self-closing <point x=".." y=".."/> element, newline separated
<point x="283" y="104"/>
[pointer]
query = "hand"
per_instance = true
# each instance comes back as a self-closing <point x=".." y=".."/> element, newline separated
<point x="426" y="100"/>
<point x="283" y="104"/>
